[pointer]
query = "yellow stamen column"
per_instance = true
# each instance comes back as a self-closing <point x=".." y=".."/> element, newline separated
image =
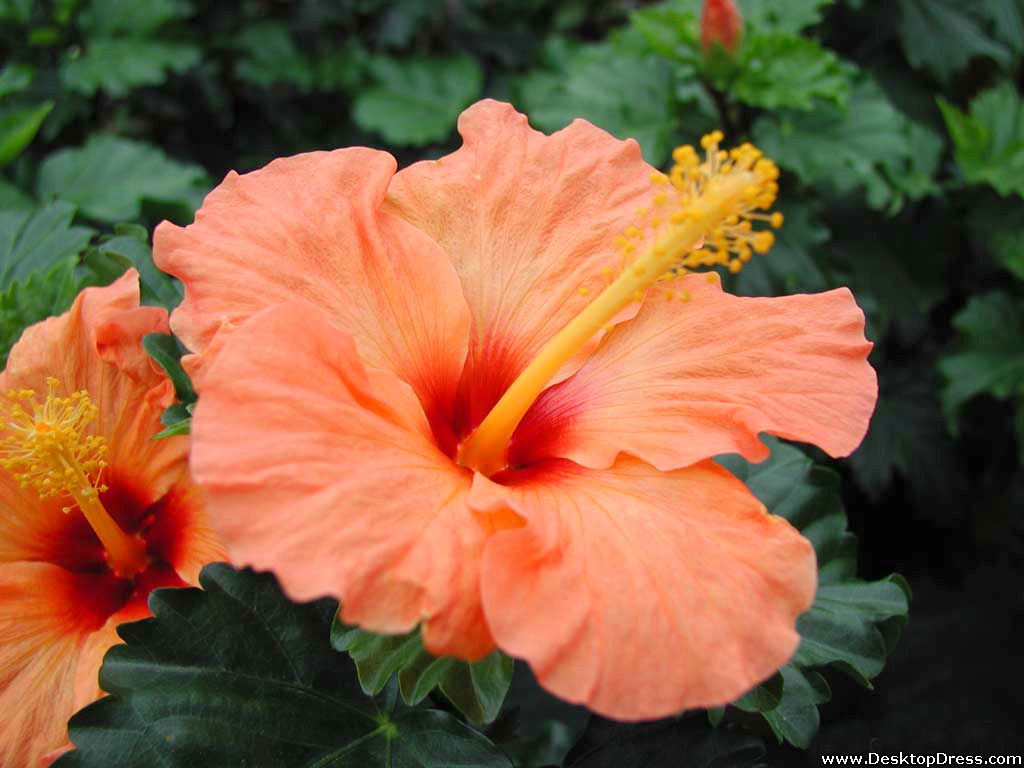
<point x="712" y="195"/>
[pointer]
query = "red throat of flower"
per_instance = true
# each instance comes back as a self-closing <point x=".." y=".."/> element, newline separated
<point x="48" y="448"/>
<point x="702" y="215"/>
<point x="721" y="23"/>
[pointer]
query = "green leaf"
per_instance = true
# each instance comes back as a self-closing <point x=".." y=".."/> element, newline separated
<point x="122" y="52"/>
<point x="989" y="141"/>
<point x="685" y="742"/>
<point x="796" y="719"/>
<point x="790" y="16"/>
<point x="269" y="57"/>
<point x="988" y="356"/>
<point x="671" y="30"/>
<point x="869" y="145"/>
<point x="763" y="697"/>
<point x="628" y="96"/>
<point x="235" y="674"/>
<point x="13" y="199"/>
<point x="844" y="627"/>
<point x="15" y="11"/>
<point x="18" y="127"/>
<point x="119" y="65"/>
<point x="109" y="178"/>
<point x="132" y="249"/>
<point x="135" y="18"/>
<point x="15" y="78"/>
<point x="942" y="36"/>
<point x="416" y="101"/>
<point x="1007" y="18"/>
<point x="41" y="295"/>
<point x="167" y="352"/>
<point x="476" y="689"/>
<point x="341" y="69"/>
<point x="999" y="224"/>
<point x="174" y="428"/>
<point x="783" y="70"/>
<point x="33" y="240"/>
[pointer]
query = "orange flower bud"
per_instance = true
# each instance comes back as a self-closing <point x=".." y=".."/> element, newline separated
<point x="721" y="22"/>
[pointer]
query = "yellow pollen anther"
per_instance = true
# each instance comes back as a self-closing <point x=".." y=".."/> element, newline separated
<point x="707" y="211"/>
<point x="584" y="291"/>
<point x="48" y="448"/>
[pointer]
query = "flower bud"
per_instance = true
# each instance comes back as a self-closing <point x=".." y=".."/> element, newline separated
<point x="721" y="23"/>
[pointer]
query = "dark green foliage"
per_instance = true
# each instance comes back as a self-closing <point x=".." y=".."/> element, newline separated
<point x="477" y="690"/>
<point x="989" y="357"/>
<point x="237" y="675"/>
<point x="989" y="141"/>
<point x="167" y="351"/>
<point x="900" y="131"/>
<point x="109" y="178"/>
<point x="852" y="625"/>
<point x="678" y="743"/>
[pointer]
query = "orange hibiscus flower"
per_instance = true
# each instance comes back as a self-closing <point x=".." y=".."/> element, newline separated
<point x="481" y="395"/>
<point x="94" y="513"/>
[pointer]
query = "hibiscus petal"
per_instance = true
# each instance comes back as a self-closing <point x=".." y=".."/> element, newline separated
<point x="181" y="535"/>
<point x="682" y="572"/>
<point x="684" y="382"/>
<point x="527" y="220"/>
<point x="326" y="472"/>
<point x="96" y="346"/>
<point x="44" y="618"/>
<point x="308" y="228"/>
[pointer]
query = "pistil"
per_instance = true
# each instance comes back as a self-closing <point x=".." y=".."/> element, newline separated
<point x="48" y="449"/>
<point x="702" y="216"/>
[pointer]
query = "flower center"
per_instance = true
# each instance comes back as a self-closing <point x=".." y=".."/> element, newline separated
<point x="48" y="449"/>
<point x="703" y="215"/>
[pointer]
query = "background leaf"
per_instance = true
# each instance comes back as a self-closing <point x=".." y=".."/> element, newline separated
<point x="989" y="355"/>
<point x="109" y="178"/>
<point x="118" y="66"/>
<point x="944" y="35"/>
<point x="628" y="96"/>
<point x="18" y="127"/>
<point x="41" y="295"/>
<point x="269" y="56"/>
<point x="787" y="71"/>
<point x="36" y="239"/>
<point x="989" y="141"/>
<point x="866" y="145"/>
<point x="416" y="101"/>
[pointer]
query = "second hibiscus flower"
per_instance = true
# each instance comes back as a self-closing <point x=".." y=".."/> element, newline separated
<point x="482" y="395"/>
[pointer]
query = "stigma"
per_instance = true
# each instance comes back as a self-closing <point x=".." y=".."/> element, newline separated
<point x="726" y="196"/>
<point x="711" y="210"/>
<point x="49" y="448"/>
